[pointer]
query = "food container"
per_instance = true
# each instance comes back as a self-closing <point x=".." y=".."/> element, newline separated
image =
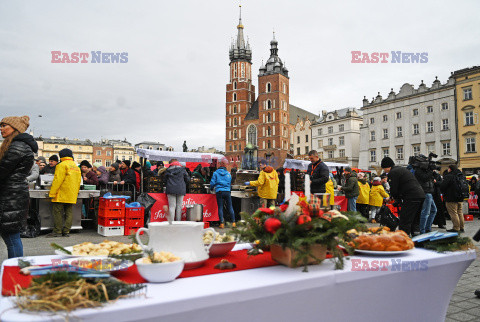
<point x="195" y="212"/>
<point x="160" y="272"/>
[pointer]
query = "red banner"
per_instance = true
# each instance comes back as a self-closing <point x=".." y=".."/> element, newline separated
<point x="472" y="201"/>
<point x="209" y="202"/>
<point x="339" y="200"/>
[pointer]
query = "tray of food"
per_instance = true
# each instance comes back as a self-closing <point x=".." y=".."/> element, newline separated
<point x="99" y="264"/>
<point x="380" y="241"/>
<point x="107" y="248"/>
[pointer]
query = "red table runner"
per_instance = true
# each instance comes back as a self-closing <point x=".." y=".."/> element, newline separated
<point x="11" y="274"/>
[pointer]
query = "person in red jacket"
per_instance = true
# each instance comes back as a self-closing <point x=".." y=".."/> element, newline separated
<point x="137" y="168"/>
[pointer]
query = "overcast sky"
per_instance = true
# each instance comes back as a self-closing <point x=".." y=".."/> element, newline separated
<point x="173" y="87"/>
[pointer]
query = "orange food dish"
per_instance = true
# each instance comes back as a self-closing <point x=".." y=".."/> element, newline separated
<point x="381" y="239"/>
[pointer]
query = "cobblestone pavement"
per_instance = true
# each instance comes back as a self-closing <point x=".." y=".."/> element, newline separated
<point x="464" y="305"/>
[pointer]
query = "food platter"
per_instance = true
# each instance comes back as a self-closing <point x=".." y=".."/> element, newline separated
<point x="383" y="253"/>
<point x="99" y="264"/>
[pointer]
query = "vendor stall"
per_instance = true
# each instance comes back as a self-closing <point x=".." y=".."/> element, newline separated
<point x="278" y="293"/>
<point x="43" y="203"/>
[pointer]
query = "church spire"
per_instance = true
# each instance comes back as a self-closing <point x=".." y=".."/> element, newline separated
<point x="240" y="50"/>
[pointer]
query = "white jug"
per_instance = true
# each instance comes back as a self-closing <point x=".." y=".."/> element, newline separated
<point x="182" y="238"/>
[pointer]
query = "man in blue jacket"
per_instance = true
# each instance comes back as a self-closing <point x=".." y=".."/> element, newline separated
<point x="221" y="182"/>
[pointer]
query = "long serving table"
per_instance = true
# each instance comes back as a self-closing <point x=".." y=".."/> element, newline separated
<point x="418" y="287"/>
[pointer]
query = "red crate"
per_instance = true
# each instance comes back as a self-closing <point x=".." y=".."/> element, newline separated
<point x="112" y="203"/>
<point x="110" y="222"/>
<point x="134" y="222"/>
<point x="468" y="217"/>
<point x="129" y="230"/>
<point x="111" y="213"/>
<point x="206" y="224"/>
<point x="136" y="212"/>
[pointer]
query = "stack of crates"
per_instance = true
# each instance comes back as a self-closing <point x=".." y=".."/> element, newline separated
<point x="134" y="217"/>
<point x="111" y="217"/>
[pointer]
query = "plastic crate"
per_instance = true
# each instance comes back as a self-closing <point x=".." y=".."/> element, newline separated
<point x="111" y="222"/>
<point x="136" y="212"/>
<point x="112" y="203"/>
<point x="111" y="231"/>
<point x="134" y="222"/>
<point x="130" y="230"/>
<point x="111" y="213"/>
<point x="468" y="217"/>
<point x="154" y="179"/>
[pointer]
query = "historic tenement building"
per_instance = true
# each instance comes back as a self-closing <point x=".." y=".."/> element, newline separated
<point x="410" y="122"/>
<point x="336" y="135"/>
<point x="265" y="122"/>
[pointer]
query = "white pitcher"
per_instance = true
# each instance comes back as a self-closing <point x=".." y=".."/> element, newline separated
<point x="182" y="238"/>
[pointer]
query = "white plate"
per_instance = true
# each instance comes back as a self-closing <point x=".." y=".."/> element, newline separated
<point x="117" y="264"/>
<point x="382" y="253"/>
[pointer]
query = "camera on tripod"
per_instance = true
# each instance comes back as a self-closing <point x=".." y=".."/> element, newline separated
<point x="425" y="163"/>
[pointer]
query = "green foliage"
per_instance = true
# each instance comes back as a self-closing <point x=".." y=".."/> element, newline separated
<point x="452" y="244"/>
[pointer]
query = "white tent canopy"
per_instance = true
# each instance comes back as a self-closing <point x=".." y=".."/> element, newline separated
<point x="156" y="155"/>
<point x="303" y="165"/>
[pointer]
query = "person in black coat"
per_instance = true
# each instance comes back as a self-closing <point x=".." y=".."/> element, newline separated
<point x="318" y="171"/>
<point x="453" y="198"/>
<point x="437" y="197"/>
<point x="406" y="190"/>
<point x="127" y="174"/>
<point x="16" y="160"/>
<point x="176" y="179"/>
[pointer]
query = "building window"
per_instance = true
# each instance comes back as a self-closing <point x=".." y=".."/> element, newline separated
<point x="284" y="88"/>
<point x="399" y="132"/>
<point x="252" y="134"/>
<point x="269" y="104"/>
<point x="235" y="122"/>
<point x="330" y="129"/>
<point x="415" y="111"/>
<point x="269" y="87"/>
<point x="269" y="131"/>
<point x="99" y="152"/>
<point x="398" y="115"/>
<point x="298" y="139"/>
<point x="341" y="128"/>
<point x="234" y="85"/>
<point x="330" y="141"/>
<point x="80" y="156"/>
<point x="108" y="163"/>
<point x="269" y="144"/>
<point x="444" y="106"/>
<point x="416" y="129"/>
<point x="429" y="109"/>
<point x="234" y="97"/>
<point x="269" y="118"/>
<point x="446" y="148"/>
<point x="56" y="146"/>
<point x="231" y="148"/>
<point x="372" y="136"/>
<point x="306" y="150"/>
<point x="372" y="120"/>
<point x="109" y="153"/>
<point x="469" y="118"/>
<point x="467" y="94"/>
<point x="429" y="127"/>
<point x="298" y="151"/>
<point x="235" y="134"/>
<point x="234" y="147"/>
<point x="319" y="131"/>
<point x="234" y="109"/>
<point x="385" y="118"/>
<point x="385" y="133"/>
<point x="373" y="156"/>
<point x="341" y="153"/>
<point x="341" y="140"/>
<point x="331" y="155"/>
<point x="470" y="145"/>
<point x="445" y="124"/>
<point x="385" y="153"/>
<point x="306" y="138"/>
<point x="430" y="148"/>
<point x="99" y="161"/>
<point x="416" y="150"/>
<point x="400" y="153"/>
<point x="320" y="143"/>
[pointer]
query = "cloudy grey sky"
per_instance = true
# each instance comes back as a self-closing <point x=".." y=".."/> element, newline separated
<point x="173" y="86"/>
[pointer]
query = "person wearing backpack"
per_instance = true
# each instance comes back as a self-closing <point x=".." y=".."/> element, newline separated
<point x="454" y="188"/>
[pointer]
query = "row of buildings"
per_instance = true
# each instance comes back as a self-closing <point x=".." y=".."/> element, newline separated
<point x="440" y="118"/>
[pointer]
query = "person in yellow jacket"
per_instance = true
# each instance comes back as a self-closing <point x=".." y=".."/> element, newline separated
<point x="364" y="196"/>
<point x="267" y="184"/>
<point x="377" y="193"/>
<point x="330" y="187"/>
<point x="64" y="193"/>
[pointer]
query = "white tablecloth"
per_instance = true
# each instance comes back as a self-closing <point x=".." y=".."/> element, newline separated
<point x="279" y="293"/>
